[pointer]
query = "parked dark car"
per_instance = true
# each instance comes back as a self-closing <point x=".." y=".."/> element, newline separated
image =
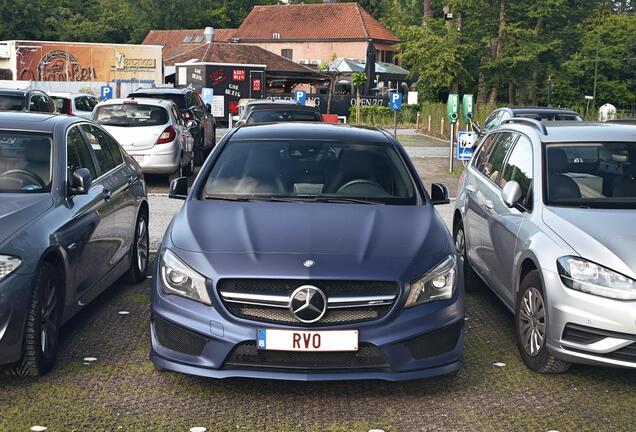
<point x="26" y="100"/>
<point x="326" y="261"/>
<point x="266" y="111"/>
<point x="498" y="116"/>
<point x="73" y="220"/>
<point x="193" y="108"/>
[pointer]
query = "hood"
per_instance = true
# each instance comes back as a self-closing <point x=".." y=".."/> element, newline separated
<point x="605" y="236"/>
<point x="17" y="210"/>
<point x="345" y="232"/>
<point x="136" y="138"/>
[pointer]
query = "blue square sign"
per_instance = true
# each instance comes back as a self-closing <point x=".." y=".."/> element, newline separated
<point x="300" y="96"/>
<point x="395" y="101"/>
<point x="465" y="145"/>
<point x="106" y="93"/>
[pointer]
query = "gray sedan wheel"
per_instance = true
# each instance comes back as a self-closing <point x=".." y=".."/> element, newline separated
<point x="471" y="280"/>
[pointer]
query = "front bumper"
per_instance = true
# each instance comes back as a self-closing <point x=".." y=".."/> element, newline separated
<point x="589" y="329"/>
<point x="15" y="293"/>
<point x="203" y="340"/>
<point x="160" y="159"/>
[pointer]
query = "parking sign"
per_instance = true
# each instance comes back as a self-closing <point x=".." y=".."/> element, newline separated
<point x="465" y="145"/>
<point x="300" y="96"/>
<point x="106" y="93"/>
<point x="395" y="101"/>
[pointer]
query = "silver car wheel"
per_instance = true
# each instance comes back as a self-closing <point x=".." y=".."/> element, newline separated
<point x="460" y="242"/>
<point x="532" y="325"/>
<point x="142" y="244"/>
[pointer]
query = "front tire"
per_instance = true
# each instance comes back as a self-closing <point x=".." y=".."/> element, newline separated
<point x="472" y="282"/>
<point x="140" y="252"/>
<point x="531" y="327"/>
<point x="41" y="333"/>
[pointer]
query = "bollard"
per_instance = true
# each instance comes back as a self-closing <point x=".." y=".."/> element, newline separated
<point x="417" y="122"/>
<point x="441" y="127"/>
<point x="429" y="123"/>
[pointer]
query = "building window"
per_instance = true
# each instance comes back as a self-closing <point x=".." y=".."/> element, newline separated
<point x="389" y="56"/>
<point x="187" y="39"/>
<point x="287" y="53"/>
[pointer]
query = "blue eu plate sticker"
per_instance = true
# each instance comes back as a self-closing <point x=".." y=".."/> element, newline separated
<point x="261" y="339"/>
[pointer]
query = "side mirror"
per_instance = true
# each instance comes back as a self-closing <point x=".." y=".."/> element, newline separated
<point x="81" y="182"/>
<point x="208" y="107"/>
<point x="179" y="188"/>
<point x="511" y="193"/>
<point x="439" y="194"/>
<point x="190" y="124"/>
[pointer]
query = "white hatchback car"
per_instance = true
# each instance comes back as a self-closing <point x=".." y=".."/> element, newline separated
<point x="152" y="131"/>
<point x="75" y="104"/>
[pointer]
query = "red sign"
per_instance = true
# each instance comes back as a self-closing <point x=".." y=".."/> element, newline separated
<point x="238" y="74"/>
<point x="233" y="106"/>
<point x="217" y="77"/>
<point x="256" y="85"/>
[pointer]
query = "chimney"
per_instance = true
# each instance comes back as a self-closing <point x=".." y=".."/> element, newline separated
<point x="209" y="34"/>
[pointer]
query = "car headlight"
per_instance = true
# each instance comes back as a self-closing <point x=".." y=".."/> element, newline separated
<point x="582" y="275"/>
<point x="437" y="284"/>
<point x="8" y="264"/>
<point x="177" y="278"/>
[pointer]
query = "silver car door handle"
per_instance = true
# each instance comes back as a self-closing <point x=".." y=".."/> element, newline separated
<point x="488" y="205"/>
<point x="470" y="188"/>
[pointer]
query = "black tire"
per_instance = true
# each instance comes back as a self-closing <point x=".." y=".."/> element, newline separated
<point x="530" y="311"/>
<point x="199" y="150"/>
<point x="472" y="281"/>
<point x="41" y="332"/>
<point x="140" y="252"/>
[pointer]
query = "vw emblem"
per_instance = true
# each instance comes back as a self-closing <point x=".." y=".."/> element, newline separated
<point x="309" y="263"/>
<point x="308" y="304"/>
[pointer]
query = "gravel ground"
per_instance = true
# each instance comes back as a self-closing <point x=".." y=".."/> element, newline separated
<point x="122" y="391"/>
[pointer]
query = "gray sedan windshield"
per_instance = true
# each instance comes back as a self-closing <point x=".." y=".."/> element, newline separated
<point x="25" y="162"/>
<point x="310" y="170"/>
<point x="591" y="174"/>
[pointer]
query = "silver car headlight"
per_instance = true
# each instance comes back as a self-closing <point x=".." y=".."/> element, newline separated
<point x="8" y="264"/>
<point x="438" y="284"/>
<point x="177" y="278"/>
<point x="582" y="275"/>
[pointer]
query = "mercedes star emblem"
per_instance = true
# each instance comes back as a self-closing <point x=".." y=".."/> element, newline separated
<point x="308" y="304"/>
<point x="309" y="263"/>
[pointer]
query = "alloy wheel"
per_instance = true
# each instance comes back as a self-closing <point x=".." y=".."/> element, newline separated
<point x="48" y="333"/>
<point x="142" y="244"/>
<point x="460" y="242"/>
<point x="532" y="324"/>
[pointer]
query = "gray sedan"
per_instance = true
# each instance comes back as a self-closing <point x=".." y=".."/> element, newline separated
<point x="73" y="220"/>
<point x="545" y="216"/>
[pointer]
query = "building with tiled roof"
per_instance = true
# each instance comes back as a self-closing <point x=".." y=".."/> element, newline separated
<point x="315" y="33"/>
<point x="178" y="41"/>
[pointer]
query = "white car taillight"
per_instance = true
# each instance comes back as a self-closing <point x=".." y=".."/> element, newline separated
<point x="167" y="136"/>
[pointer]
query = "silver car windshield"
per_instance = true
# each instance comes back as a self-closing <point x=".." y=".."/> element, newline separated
<point x="25" y="162"/>
<point x="601" y="175"/>
<point x="310" y="171"/>
<point x="131" y="114"/>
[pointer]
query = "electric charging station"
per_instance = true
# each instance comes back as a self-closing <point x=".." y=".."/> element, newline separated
<point x="452" y="110"/>
<point x="467" y="108"/>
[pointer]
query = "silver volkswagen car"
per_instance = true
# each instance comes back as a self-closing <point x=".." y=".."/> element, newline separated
<point x="545" y="216"/>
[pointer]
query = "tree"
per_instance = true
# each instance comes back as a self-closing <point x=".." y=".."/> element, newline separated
<point x="358" y="80"/>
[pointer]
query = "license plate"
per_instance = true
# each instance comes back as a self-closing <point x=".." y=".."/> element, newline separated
<point x="307" y="340"/>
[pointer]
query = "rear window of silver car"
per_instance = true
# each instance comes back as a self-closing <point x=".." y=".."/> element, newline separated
<point x="131" y="114"/>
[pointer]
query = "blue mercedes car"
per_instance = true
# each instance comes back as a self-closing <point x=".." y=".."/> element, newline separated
<point x="308" y="252"/>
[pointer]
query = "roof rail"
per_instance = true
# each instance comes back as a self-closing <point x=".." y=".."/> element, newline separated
<point x="528" y="122"/>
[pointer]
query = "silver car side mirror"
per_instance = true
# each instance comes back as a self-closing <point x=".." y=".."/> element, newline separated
<point x="511" y="193"/>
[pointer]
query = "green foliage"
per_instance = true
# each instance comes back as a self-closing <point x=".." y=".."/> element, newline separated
<point x="358" y="79"/>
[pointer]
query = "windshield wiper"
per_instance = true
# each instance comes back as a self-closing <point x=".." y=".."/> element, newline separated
<point x="345" y="200"/>
<point x="228" y="198"/>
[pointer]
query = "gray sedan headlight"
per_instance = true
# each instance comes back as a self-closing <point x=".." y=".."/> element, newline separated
<point x="8" y="264"/>
<point x="582" y="275"/>
<point x="437" y="284"/>
<point x="177" y="278"/>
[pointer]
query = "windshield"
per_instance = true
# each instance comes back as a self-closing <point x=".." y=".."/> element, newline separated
<point x="131" y="114"/>
<point x="25" y="162"/>
<point x="11" y="103"/>
<point x="178" y="99"/>
<point x="601" y="175"/>
<point x="61" y="104"/>
<point x="280" y="115"/>
<point x="311" y="171"/>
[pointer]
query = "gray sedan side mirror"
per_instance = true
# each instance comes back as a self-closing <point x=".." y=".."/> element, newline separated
<point x="179" y="188"/>
<point x="511" y="193"/>
<point x="81" y="182"/>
